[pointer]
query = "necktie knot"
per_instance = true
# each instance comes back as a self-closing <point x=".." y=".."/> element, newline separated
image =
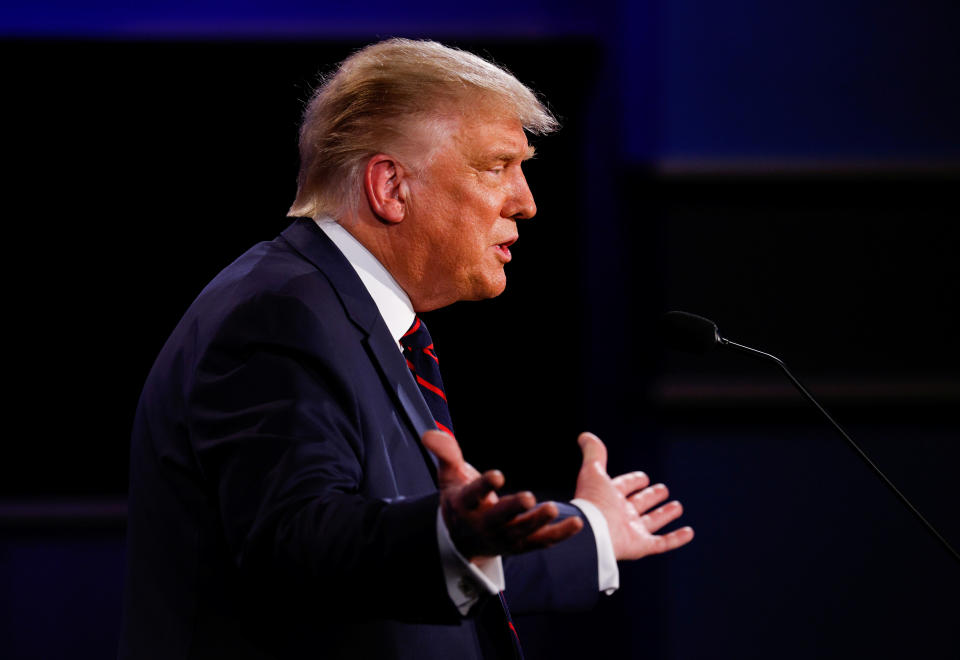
<point x="417" y="336"/>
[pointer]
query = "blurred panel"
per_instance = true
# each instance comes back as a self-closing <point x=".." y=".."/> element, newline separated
<point x="842" y="275"/>
<point x="292" y="19"/>
<point x="857" y="81"/>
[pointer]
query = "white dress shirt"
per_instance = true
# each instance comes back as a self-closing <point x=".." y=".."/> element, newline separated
<point x="466" y="581"/>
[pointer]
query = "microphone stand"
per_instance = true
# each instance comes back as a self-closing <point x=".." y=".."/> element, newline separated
<point x="809" y="397"/>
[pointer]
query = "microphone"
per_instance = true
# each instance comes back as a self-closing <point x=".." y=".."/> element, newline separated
<point x="694" y="334"/>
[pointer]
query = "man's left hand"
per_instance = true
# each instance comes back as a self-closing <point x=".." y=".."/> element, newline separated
<point x="626" y="502"/>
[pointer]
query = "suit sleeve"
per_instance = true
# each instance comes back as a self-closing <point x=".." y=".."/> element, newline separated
<point x="561" y="578"/>
<point x="276" y="431"/>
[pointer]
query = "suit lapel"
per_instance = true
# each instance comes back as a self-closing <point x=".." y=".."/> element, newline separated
<point x="400" y="381"/>
<point x="313" y="244"/>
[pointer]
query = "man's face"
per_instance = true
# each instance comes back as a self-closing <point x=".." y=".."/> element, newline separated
<point x="463" y="209"/>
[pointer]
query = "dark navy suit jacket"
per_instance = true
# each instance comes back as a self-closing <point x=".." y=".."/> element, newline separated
<point x="281" y="504"/>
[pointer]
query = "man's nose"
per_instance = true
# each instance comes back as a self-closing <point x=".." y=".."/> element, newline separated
<point x="521" y="204"/>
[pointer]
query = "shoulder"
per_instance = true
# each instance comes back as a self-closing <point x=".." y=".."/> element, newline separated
<point x="272" y="295"/>
<point x="274" y="287"/>
<point x="270" y="270"/>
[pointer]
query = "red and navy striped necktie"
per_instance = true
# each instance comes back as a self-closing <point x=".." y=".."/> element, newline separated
<point x="422" y="361"/>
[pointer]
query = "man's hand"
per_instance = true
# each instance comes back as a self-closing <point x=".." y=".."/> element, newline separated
<point x="481" y="523"/>
<point x="626" y="502"/>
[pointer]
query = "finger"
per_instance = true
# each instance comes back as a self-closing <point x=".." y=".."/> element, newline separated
<point x="648" y="498"/>
<point x="509" y="508"/>
<point x="530" y="521"/>
<point x="672" y="541"/>
<point x="476" y="490"/>
<point x="452" y="470"/>
<point x="631" y="482"/>
<point x="594" y="451"/>
<point x="552" y="534"/>
<point x="444" y="446"/>
<point x="654" y="520"/>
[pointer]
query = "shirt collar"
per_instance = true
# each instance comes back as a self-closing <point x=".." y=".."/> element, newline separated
<point x="392" y="302"/>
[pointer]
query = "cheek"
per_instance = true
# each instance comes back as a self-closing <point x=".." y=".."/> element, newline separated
<point x="486" y="209"/>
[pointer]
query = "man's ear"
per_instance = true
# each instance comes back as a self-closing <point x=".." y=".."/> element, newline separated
<point x="382" y="183"/>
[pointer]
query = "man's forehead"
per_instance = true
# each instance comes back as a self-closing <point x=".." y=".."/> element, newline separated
<point x="498" y="138"/>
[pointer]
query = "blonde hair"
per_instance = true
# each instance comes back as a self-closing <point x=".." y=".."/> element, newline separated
<point x="379" y="97"/>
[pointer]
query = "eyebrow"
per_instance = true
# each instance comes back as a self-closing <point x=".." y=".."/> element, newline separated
<point x="511" y="156"/>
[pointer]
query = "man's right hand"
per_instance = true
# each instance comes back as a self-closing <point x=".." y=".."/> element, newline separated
<point x="481" y="523"/>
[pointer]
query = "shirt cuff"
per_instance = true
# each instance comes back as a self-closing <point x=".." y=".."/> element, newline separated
<point x="608" y="575"/>
<point x="467" y="581"/>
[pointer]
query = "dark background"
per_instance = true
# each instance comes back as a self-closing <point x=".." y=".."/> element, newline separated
<point x="789" y="172"/>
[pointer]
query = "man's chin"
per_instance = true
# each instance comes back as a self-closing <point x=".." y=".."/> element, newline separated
<point x="493" y="288"/>
<point x="485" y="293"/>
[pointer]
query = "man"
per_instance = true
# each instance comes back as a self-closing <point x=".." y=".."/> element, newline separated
<point x="290" y="494"/>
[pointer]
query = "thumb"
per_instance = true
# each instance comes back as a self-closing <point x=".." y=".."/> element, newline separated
<point x="444" y="446"/>
<point x="594" y="451"/>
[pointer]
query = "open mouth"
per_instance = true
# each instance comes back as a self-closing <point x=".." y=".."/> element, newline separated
<point x="504" y="248"/>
